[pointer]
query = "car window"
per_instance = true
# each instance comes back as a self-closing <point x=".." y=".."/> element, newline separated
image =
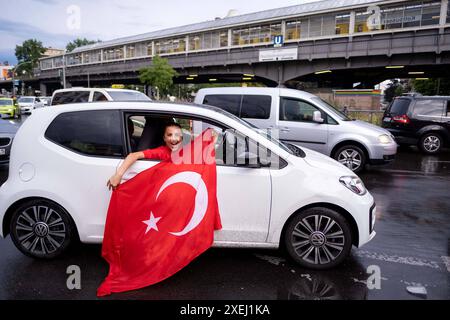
<point x="71" y="97"/>
<point x="228" y="102"/>
<point x="296" y="110"/>
<point x="146" y="132"/>
<point x="256" y="107"/>
<point x="428" y="108"/>
<point x="92" y="133"/>
<point x="98" y="96"/>
<point x="6" y="102"/>
<point x="128" y="96"/>
<point x="448" y="109"/>
<point x="399" y="106"/>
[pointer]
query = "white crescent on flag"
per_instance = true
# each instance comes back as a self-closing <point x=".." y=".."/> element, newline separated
<point x="195" y="180"/>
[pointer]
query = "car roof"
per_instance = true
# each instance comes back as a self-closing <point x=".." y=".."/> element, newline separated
<point x="256" y="91"/>
<point x="94" y="89"/>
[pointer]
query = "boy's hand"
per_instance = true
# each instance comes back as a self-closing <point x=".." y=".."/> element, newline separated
<point x="114" y="182"/>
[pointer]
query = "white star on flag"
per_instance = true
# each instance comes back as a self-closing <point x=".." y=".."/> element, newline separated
<point x="151" y="224"/>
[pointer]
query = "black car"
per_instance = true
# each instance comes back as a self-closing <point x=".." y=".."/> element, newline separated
<point x="420" y="120"/>
<point x="7" y="133"/>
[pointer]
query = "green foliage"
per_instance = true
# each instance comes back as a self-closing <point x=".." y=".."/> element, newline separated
<point x="28" y="55"/>
<point x="432" y="87"/>
<point x="159" y="75"/>
<point x="79" y="43"/>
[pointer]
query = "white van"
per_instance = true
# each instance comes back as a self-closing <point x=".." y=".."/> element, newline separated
<point x="306" y="120"/>
<point x="80" y="95"/>
<point x="62" y="157"/>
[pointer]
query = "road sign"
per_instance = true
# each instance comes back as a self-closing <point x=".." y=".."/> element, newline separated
<point x="278" y="41"/>
<point x="16" y="82"/>
<point x="278" y="54"/>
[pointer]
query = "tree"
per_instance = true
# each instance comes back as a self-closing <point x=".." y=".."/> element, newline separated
<point x="396" y="88"/>
<point x="79" y="43"/>
<point x="28" y="55"/>
<point x="431" y="87"/>
<point x="159" y="75"/>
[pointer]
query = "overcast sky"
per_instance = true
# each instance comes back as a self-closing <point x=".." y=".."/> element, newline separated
<point x="55" y="23"/>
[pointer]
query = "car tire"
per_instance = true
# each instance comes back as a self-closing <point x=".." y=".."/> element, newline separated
<point x="318" y="238"/>
<point x="42" y="229"/>
<point x="431" y="143"/>
<point x="352" y="157"/>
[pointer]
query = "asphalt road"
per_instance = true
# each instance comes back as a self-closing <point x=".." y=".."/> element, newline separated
<point x="411" y="249"/>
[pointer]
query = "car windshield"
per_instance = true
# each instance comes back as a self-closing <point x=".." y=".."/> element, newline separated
<point x="6" y="102"/>
<point x="26" y="100"/>
<point x="328" y="107"/>
<point x="128" y="96"/>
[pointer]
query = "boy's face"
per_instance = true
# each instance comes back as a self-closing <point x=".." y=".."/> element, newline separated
<point x="173" y="138"/>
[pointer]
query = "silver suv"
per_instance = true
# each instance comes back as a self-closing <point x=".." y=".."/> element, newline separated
<point x="306" y="120"/>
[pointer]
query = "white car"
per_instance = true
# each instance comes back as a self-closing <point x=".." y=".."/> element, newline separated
<point x="62" y="157"/>
<point x="28" y="104"/>
<point x="307" y="121"/>
<point x="80" y="95"/>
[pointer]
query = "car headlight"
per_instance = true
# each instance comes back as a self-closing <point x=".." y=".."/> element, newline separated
<point x="384" y="139"/>
<point x="354" y="184"/>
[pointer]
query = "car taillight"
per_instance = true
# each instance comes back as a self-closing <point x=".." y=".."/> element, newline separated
<point x="401" y="119"/>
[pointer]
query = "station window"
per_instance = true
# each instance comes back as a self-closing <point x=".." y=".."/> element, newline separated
<point x="342" y="24"/>
<point x="113" y="53"/>
<point x="431" y="12"/>
<point x="448" y="14"/>
<point x="131" y="51"/>
<point x="256" y="34"/>
<point x="170" y="46"/>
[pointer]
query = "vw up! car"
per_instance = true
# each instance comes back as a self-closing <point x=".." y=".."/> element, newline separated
<point x="306" y="120"/>
<point x="420" y="120"/>
<point x="269" y="195"/>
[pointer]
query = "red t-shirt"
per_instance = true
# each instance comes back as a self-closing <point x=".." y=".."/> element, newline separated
<point x="161" y="153"/>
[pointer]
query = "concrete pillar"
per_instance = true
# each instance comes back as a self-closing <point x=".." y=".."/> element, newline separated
<point x="443" y="16"/>
<point x="43" y="89"/>
<point x="351" y="27"/>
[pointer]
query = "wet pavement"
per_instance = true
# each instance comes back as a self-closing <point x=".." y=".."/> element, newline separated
<point x="411" y="249"/>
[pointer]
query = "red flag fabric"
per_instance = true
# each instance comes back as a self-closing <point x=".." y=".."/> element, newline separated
<point x="162" y="219"/>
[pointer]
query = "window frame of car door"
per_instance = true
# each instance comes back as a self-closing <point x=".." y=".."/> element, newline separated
<point x="121" y="126"/>
<point x="324" y="114"/>
<point x="125" y="135"/>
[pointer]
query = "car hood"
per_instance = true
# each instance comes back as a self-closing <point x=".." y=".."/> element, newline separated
<point x="8" y="127"/>
<point x="368" y="127"/>
<point x="325" y="163"/>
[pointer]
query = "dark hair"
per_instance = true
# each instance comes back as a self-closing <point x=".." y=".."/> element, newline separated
<point x="171" y="124"/>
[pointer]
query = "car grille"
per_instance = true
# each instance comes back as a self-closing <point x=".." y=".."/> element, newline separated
<point x="4" y="141"/>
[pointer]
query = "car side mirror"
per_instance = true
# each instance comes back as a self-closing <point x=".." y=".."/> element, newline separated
<point x="317" y="117"/>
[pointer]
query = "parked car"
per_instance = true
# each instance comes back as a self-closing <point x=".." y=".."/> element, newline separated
<point x="79" y="95"/>
<point x="46" y="101"/>
<point x="8" y="107"/>
<point x="306" y="120"/>
<point x="420" y="120"/>
<point x="61" y="158"/>
<point x="28" y="104"/>
<point x="7" y="133"/>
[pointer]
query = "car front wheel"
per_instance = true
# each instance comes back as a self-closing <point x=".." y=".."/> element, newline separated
<point x="352" y="157"/>
<point x="431" y="143"/>
<point x="318" y="238"/>
<point x="41" y="229"/>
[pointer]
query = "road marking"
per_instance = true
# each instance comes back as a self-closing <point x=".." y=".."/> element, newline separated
<point x="446" y="262"/>
<point x="397" y="259"/>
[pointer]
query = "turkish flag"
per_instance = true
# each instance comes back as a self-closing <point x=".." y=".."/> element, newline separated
<point x="162" y="219"/>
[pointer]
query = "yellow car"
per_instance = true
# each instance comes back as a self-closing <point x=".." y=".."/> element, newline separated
<point x="8" y="107"/>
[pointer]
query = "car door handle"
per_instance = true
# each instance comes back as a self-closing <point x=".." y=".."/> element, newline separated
<point x="285" y="130"/>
